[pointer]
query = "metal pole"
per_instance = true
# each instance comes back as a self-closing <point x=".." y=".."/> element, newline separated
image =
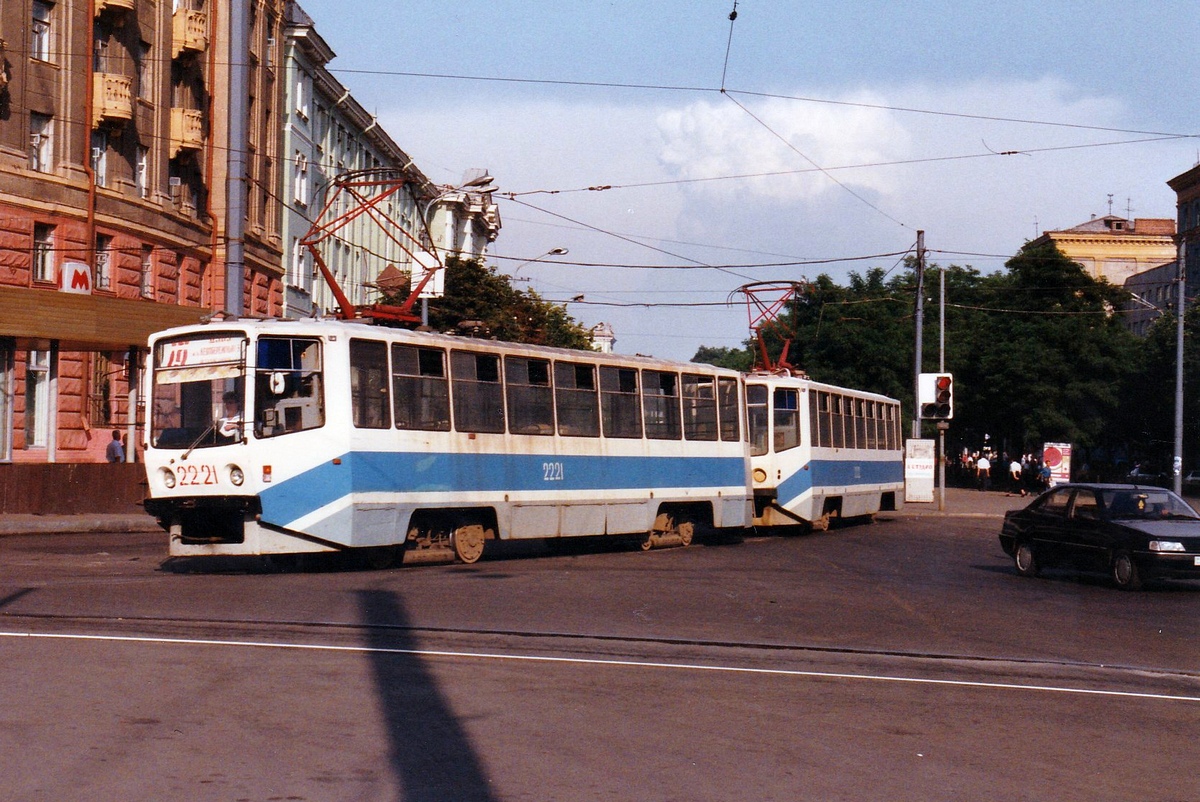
<point x="235" y="185"/>
<point x="919" y="319"/>
<point x="942" y="425"/>
<point x="1181" y="311"/>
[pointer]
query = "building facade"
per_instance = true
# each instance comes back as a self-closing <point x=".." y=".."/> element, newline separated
<point x="332" y="142"/>
<point x="1113" y="248"/>
<point x="113" y="150"/>
<point x="1156" y="291"/>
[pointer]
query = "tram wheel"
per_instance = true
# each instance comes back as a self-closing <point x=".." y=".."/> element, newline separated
<point x="467" y="542"/>
<point x="646" y="541"/>
<point x="687" y="531"/>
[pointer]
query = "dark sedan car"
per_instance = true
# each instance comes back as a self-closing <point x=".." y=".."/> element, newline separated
<point x="1133" y="532"/>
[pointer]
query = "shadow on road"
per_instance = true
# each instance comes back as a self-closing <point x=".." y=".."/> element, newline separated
<point x="430" y="753"/>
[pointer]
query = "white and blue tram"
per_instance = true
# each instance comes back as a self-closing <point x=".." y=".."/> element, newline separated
<point x="267" y="437"/>
<point x="820" y="452"/>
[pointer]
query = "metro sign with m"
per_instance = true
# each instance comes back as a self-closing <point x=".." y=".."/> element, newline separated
<point x="75" y="277"/>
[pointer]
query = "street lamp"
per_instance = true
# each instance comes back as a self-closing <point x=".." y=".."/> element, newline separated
<point x="551" y="252"/>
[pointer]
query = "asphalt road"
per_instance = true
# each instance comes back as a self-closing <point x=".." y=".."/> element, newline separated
<point x="903" y="660"/>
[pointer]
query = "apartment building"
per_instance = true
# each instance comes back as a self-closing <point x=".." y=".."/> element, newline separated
<point x="332" y="144"/>
<point x="114" y="145"/>
<point x="1114" y="248"/>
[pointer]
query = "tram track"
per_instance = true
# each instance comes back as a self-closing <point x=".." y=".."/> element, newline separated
<point x="763" y="657"/>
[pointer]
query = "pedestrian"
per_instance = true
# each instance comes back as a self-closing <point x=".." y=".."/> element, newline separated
<point x="116" y="450"/>
<point x="983" y="469"/>
<point x="1014" y="475"/>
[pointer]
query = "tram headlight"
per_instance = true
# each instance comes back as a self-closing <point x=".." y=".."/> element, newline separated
<point x="760" y="475"/>
<point x="168" y="477"/>
<point x="236" y="476"/>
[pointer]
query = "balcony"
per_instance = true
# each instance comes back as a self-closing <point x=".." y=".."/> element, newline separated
<point x="189" y="32"/>
<point x="112" y="99"/>
<point x="114" y="5"/>
<point x="187" y="130"/>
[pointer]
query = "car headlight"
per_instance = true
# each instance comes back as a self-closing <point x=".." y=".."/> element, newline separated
<point x="1166" y="545"/>
<point x="236" y="476"/>
<point x="168" y="478"/>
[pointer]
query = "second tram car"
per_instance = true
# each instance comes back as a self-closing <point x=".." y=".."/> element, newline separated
<point x="820" y="452"/>
<point x="274" y="437"/>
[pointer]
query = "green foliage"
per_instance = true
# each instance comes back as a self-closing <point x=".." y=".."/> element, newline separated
<point x="1039" y="352"/>
<point x="475" y="292"/>
<point x="738" y="359"/>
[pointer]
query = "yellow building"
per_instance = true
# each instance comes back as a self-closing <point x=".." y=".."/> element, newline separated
<point x="1114" y="248"/>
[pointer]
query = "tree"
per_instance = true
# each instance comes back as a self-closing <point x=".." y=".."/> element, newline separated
<point x="475" y="292"/>
<point x="737" y="359"/>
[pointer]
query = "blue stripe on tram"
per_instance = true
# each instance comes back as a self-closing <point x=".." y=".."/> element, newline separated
<point x="838" y="473"/>
<point x="388" y="472"/>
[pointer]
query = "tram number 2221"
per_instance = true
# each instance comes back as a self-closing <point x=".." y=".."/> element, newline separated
<point x="552" y="471"/>
<point x="198" y="475"/>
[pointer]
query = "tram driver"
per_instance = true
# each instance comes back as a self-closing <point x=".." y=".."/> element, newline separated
<point x="229" y="425"/>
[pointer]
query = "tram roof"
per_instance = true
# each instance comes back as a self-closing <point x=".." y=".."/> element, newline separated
<point x="333" y="326"/>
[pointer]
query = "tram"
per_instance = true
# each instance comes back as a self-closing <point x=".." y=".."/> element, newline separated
<point x="275" y="437"/>
<point x="820" y="452"/>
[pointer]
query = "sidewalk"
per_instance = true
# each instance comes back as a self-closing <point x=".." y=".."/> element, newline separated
<point x="963" y="502"/>
<point x="65" y="524"/>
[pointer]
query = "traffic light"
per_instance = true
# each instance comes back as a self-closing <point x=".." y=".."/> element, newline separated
<point x="935" y="395"/>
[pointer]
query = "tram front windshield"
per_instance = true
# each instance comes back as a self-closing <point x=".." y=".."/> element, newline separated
<point x="199" y="392"/>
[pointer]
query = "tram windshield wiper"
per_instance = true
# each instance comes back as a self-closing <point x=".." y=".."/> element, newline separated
<point x="207" y="430"/>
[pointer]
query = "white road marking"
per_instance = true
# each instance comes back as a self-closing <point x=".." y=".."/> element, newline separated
<point x="778" y="672"/>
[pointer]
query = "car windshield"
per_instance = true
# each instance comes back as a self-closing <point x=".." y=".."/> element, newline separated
<point x="1145" y="504"/>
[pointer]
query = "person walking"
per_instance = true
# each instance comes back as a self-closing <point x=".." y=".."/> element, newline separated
<point x="983" y="469"/>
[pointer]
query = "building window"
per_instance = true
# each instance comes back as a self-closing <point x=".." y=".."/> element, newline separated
<point x="37" y="399"/>
<point x="100" y="158"/>
<point x="141" y="168"/>
<point x="141" y="66"/>
<point x="102" y="279"/>
<point x="301" y="98"/>
<point x="40" y="31"/>
<point x="43" y="252"/>
<point x="300" y="179"/>
<point x="41" y="141"/>
<point x="147" y="282"/>
<point x="100" y="407"/>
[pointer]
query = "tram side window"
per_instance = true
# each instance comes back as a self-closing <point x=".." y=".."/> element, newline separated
<point x="756" y="418"/>
<point x="660" y="404"/>
<point x="824" y="420"/>
<point x="530" y="397"/>
<point x="871" y="418"/>
<point x="837" y="405"/>
<point x="289" y="393"/>
<point x="787" y="419"/>
<point x="620" y="402"/>
<point x="892" y="427"/>
<point x="477" y="392"/>
<point x="420" y="390"/>
<point x="860" y="421"/>
<point x="369" y="384"/>
<point x="728" y="408"/>
<point x="575" y="399"/>
<point x="699" y="407"/>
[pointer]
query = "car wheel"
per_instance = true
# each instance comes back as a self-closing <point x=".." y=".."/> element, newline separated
<point x="1125" y="573"/>
<point x="1025" y="560"/>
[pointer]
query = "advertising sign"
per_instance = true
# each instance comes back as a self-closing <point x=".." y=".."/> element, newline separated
<point x="920" y="458"/>
<point x="1057" y="457"/>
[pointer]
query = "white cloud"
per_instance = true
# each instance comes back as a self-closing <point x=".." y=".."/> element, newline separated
<point x="791" y="139"/>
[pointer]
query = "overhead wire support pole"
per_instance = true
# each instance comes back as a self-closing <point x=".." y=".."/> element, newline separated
<point x="1177" y="462"/>
<point x="919" y="322"/>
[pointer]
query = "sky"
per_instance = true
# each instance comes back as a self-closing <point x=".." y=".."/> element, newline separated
<point x="796" y="140"/>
